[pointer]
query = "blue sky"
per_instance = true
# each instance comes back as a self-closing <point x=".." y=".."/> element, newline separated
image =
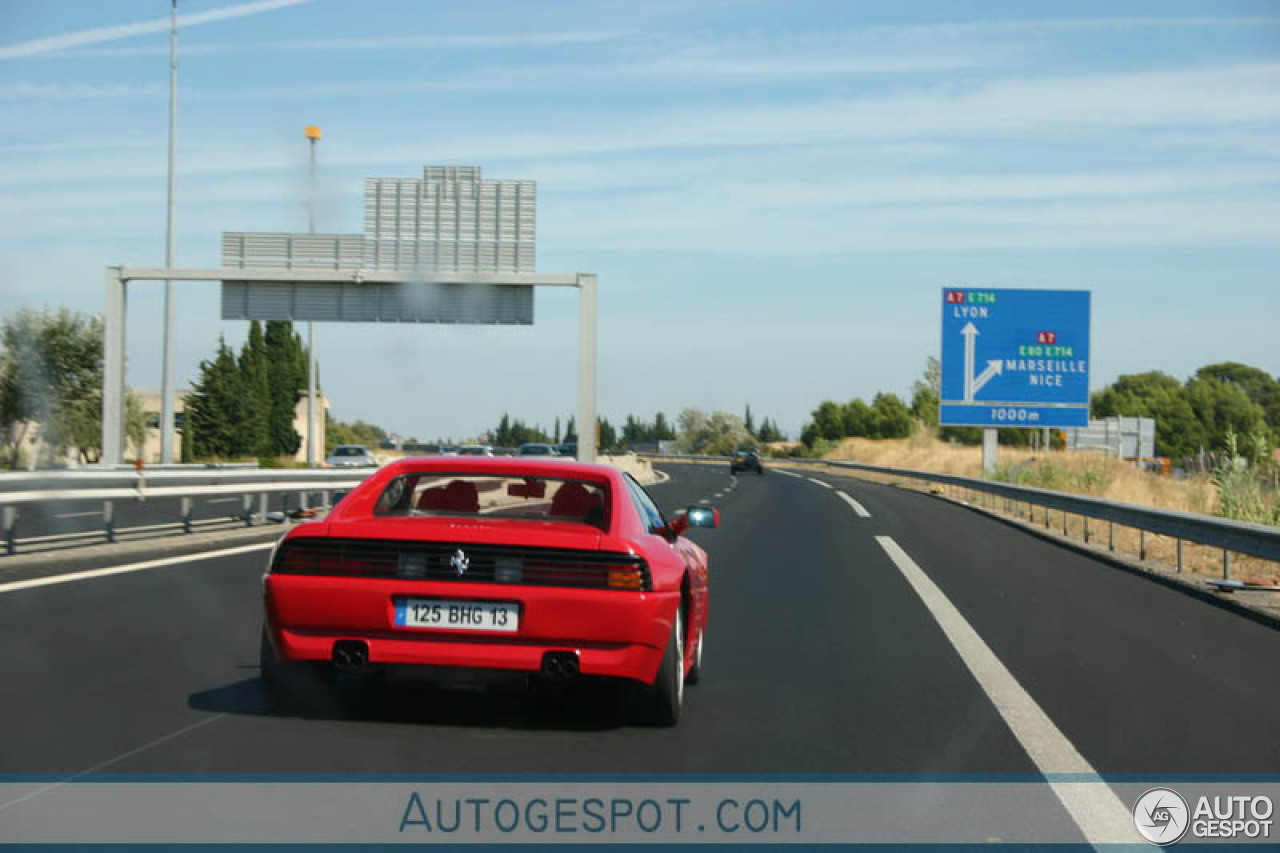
<point x="772" y="193"/>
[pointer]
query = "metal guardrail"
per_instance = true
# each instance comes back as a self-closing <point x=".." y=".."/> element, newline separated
<point x="1230" y="536"/>
<point x="109" y="486"/>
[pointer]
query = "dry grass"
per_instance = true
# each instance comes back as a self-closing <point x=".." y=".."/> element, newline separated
<point x="1079" y="473"/>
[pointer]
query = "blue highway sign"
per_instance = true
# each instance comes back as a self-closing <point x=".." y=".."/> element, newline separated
<point x="1015" y="357"/>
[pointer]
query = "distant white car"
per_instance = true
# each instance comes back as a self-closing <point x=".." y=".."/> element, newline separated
<point x="351" y="456"/>
<point x="475" y="450"/>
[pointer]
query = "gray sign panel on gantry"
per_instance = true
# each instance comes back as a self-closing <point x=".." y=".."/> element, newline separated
<point x="450" y="220"/>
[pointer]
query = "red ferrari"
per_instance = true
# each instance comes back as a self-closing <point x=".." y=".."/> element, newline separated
<point x="551" y="568"/>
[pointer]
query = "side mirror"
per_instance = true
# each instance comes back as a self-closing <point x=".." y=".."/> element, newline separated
<point x="695" y="516"/>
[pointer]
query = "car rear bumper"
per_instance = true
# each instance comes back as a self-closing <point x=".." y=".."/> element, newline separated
<point x="614" y="633"/>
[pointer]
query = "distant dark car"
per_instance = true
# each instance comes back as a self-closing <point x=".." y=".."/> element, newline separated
<point x="568" y="449"/>
<point x="746" y="460"/>
<point x="535" y="449"/>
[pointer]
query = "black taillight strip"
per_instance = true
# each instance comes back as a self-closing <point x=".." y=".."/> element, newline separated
<point x="431" y="561"/>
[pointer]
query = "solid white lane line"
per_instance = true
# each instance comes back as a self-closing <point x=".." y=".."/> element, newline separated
<point x="1095" y="808"/>
<point x="857" y="507"/>
<point x="102" y="765"/>
<point x="133" y="567"/>
<point x="819" y="482"/>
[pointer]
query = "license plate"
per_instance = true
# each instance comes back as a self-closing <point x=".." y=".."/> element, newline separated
<point x="457" y="615"/>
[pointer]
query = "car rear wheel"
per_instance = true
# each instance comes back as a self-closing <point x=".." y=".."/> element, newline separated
<point x="695" y="671"/>
<point x="667" y="694"/>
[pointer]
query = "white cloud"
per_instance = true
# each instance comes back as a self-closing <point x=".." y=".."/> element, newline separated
<point x="98" y="35"/>
<point x="77" y="91"/>
<point x="458" y="41"/>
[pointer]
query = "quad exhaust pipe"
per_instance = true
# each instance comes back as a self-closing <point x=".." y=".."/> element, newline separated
<point x="350" y="654"/>
<point x="560" y="666"/>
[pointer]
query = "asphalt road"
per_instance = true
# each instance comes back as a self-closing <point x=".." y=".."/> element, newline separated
<point x="822" y="657"/>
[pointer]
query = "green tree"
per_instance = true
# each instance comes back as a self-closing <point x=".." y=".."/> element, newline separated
<point x="82" y="424"/>
<point x="828" y="422"/>
<point x="662" y="431"/>
<point x="287" y="381"/>
<point x="858" y="420"/>
<point x="502" y="435"/>
<point x="748" y="422"/>
<point x="1261" y="387"/>
<point x="769" y="432"/>
<point x="1179" y="432"/>
<point x="255" y="381"/>
<point x="717" y="434"/>
<point x="1223" y="408"/>
<point x="891" y="417"/>
<point x="51" y="378"/>
<point x="337" y="432"/>
<point x="212" y="419"/>
<point x="608" y="435"/>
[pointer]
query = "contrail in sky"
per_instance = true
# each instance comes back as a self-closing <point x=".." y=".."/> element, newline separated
<point x="139" y="28"/>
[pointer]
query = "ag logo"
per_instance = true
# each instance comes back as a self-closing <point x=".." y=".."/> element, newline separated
<point x="460" y="562"/>
<point x="1161" y="816"/>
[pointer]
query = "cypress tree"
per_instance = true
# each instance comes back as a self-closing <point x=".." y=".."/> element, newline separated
<point x="212" y="417"/>
<point x="286" y="379"/>
<point x="254" y="376"/>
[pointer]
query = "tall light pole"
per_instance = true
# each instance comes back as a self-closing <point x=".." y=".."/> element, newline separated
<point x="170" y="309"/>
<point x="313" y="134"/>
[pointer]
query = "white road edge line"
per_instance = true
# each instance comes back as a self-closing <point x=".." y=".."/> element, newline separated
<point x="88" y="574"/>
<point x="819" y="482"/>
<point x="857" y="507"/>
<point x="1095" y="808"/>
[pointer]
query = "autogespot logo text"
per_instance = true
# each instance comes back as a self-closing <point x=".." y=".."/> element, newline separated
<point x="1161" y="816"/>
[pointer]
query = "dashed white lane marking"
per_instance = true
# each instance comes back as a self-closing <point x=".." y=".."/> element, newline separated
<point x="1095" y="808"/>
<point x="223" y="500"/>
<point x="78" y="514"/>
<point x="789" y="473"/>
<point x="102" y="765"/>
<point x="857" y="507"/>
<point x="133" y="567"/>
<point x="819" y="482"/>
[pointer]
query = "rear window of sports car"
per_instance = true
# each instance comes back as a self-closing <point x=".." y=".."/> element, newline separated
<point x="494" y="496"/>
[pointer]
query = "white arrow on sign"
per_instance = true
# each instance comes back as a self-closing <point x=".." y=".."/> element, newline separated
<point x="994" y="368"/>
<point x="973" y="384"/>
<point x="970" y="333"/>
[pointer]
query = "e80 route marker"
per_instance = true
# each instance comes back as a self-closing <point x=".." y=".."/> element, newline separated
<point x="1015" y="357"/>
